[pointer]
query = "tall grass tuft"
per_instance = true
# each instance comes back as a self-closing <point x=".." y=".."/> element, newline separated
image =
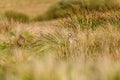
<point x="70" y="43"/>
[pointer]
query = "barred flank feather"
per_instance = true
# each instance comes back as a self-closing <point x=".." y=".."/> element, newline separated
<point x="21" y="41"/>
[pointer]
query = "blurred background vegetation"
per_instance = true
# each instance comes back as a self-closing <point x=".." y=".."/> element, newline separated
<point x="48" y="9"/>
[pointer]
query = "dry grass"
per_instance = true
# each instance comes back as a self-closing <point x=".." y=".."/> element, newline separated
<point x="79" y="47"/>
<point x="55" y="55"/>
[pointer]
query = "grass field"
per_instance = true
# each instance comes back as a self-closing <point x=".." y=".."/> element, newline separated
<point x="74" y="41"/>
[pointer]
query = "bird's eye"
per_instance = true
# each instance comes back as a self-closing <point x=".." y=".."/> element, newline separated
<point x="69" y="34"/>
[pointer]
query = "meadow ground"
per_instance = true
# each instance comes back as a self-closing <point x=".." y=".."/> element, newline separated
<point x="81" y="46"/>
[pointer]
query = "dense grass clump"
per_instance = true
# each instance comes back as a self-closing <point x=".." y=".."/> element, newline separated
<point x="16" y="16"/>
<point x="70" y="43"/>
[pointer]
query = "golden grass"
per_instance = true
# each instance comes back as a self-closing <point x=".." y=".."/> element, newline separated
<point x="79" y="47"/>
